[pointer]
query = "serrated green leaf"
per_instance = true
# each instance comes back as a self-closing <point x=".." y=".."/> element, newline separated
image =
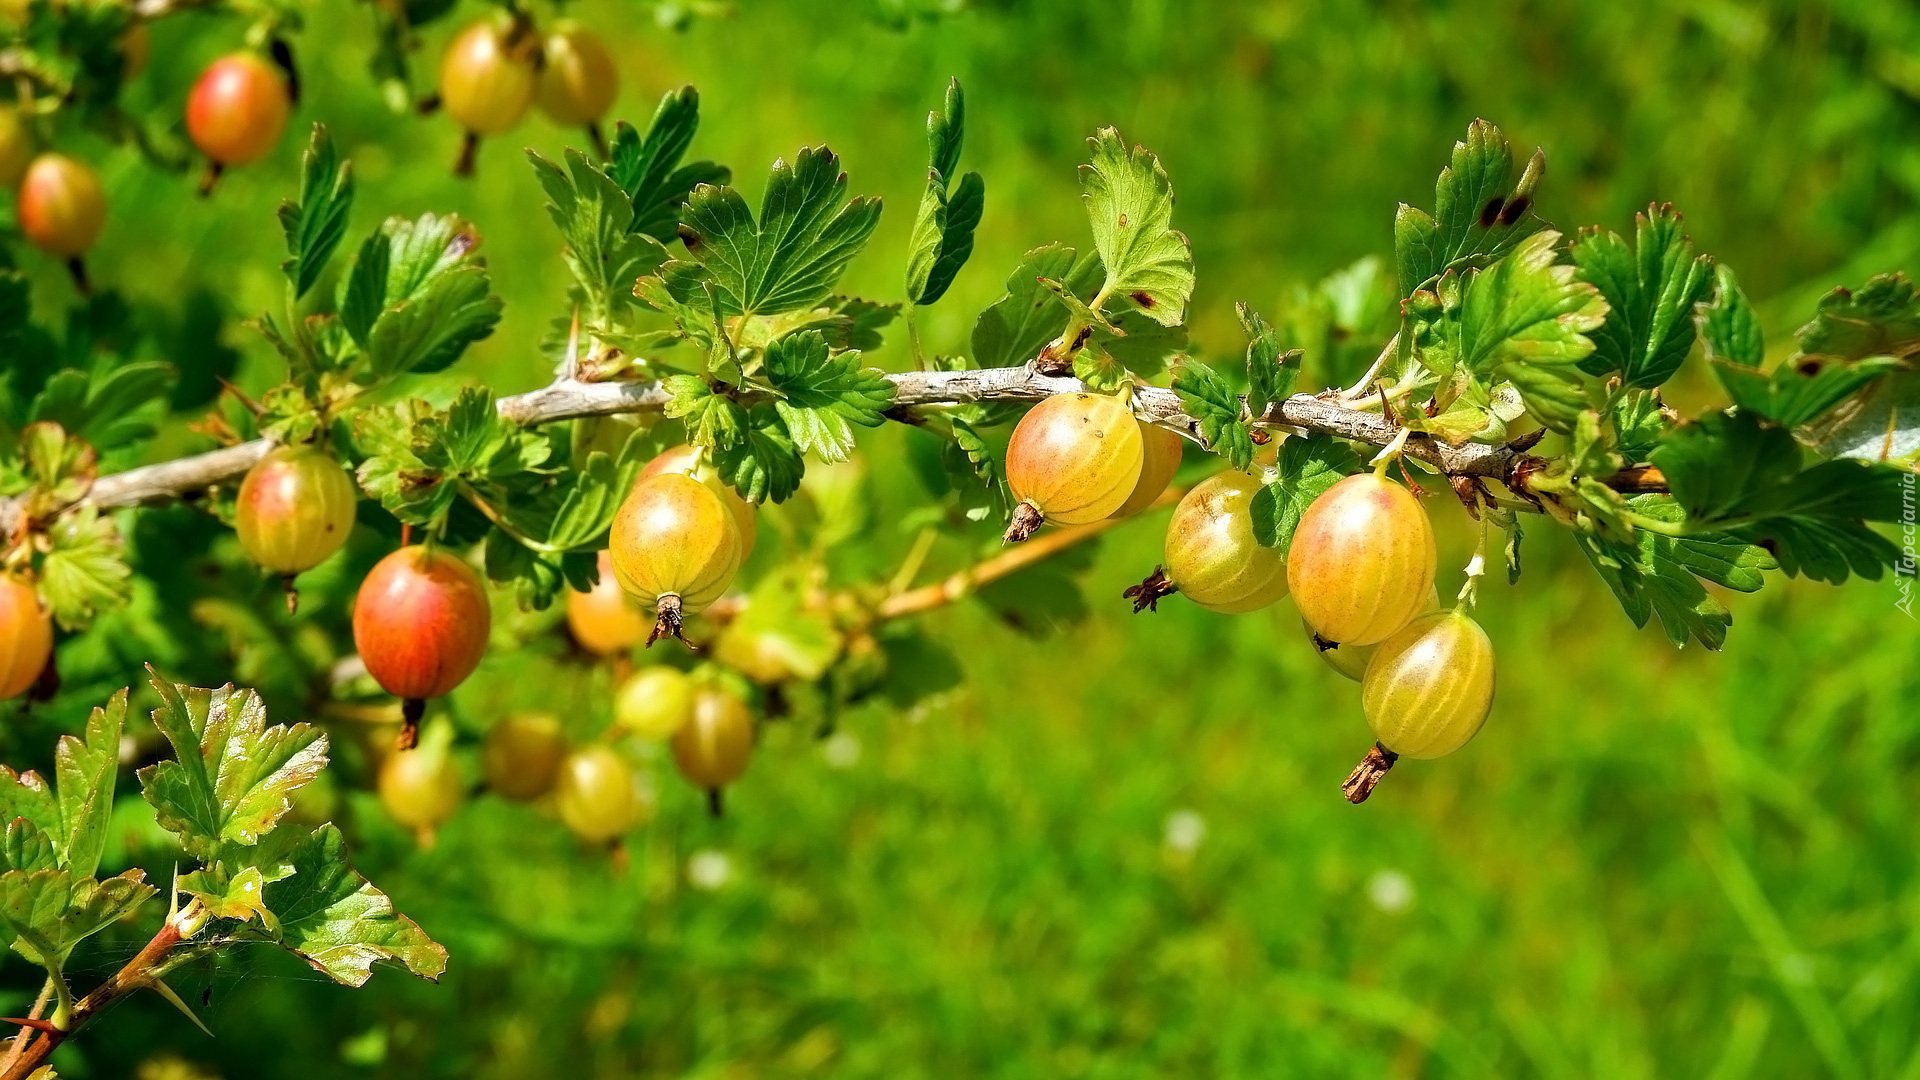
<point x="713" y="420"/>
<point x="1028" y="316"/>
<point x="364" y="294"/>
<point x="438" y="297"/>
<point x="942" y="238"/>
<point x="315" y="224"/>
<point x="1271" y="369"/>
<point x="32" y="813"/>
<point x="1651" y="290"/>
<point x="85" y="769"/>
<point x="1477" y="216"/>
<point x="84" y="572"/>
<point x="648" y="168"/>
<point x="764" y="463"/>
<point x="1129" y="200"/>
<point x="807" y="233"/>
<point x="1307" y="466"/>
<point x="1728" y="324"/>
<point x="233" y="777"/>
<point x="537" y="577"/>
<point x="50" y="911"/>
<point x="337" y="921"/>
<point x="822" y="395"/>
<point x="109" y="407"/>
<point x="595" y="218"/>
<point x="1217" y="409"/>
<point x="1881" y="318"/>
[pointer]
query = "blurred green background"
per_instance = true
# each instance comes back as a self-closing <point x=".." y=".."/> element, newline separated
<point x="1120" y="850"/>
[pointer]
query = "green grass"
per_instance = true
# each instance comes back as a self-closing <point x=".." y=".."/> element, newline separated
<point x="1651" y="863"/>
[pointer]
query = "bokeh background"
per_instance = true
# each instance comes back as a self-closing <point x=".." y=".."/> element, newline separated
<point x="1119" y="849"/>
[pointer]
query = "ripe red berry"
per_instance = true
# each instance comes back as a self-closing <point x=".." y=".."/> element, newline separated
<point x="578" y="81"/>
<point x="675" y="548"/>
<point x="1073" y="459"/>
<point x="686" y="460"/>
<point x="604" y="620"/>
<point x="421" y="622"/>
<point x="238" y="109"/>
<point x="295" y="508"/>
<point x="1362" y="560"/>
<point x="62" y="207"/>
<point x="26" y="636"/>
<point x="487" y="77"/>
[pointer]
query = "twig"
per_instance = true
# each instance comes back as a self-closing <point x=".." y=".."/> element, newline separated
<point x="928" y="597"/>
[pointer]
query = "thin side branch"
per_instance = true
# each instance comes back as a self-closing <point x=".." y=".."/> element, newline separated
<point x="567" y="399"/>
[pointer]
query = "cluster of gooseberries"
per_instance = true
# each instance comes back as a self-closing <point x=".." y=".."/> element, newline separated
<point x="235" y="115"/>
<point x="1361" y="567"/>
<point x="499" y="67"/>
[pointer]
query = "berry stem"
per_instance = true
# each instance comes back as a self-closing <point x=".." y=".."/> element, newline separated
<point x="411" y="710"/>
<point x="1371" y="770"/>
<point x="469" y="153"/>
<point x="668" y="621"/>
<point x="716" y="803"/>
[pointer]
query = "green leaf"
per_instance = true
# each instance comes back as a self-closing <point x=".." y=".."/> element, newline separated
<point x="365" y="295"/>
<point x="1271" y="371"/>
<point x="51" y="911"/>
<point x="337" y="921"/>
<point x="1477" y="216"/>
<point x="1882" y="318"/>
<point x="438" y="299"/>
<point x="1308" y="466"/>
<point x="317" y="222"/>
<point x="943" y="229"/>
<point x="764" y="463"/>
<point x="807" y="233"/>
<point x="1651" y="289"/>
<point x="779" y="625"/>
<point x="1028" y="317"/>
<point x="1656" y="574"/>
<point x="33" y="817"/>
<point x="823" y="395"/>
<point x="595" y="217"/>
<point x="1129" y="201"/>
<point x="537" y="577"/>
<point x="108" y="407"/>
<point x="85" y="769"/>
<point x="84" y="573"/>
<point x="1522" y="320"/>
<point x="233" y="777"/>
<point x="648" y="168"/>
<point x="1731" y="472"/>
<point x="1728" y="324"/>
<point x="713" y="420"/>
<point x="1218" y="410"/>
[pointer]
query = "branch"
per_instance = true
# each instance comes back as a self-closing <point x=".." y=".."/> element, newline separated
<point x="567" y="399"/>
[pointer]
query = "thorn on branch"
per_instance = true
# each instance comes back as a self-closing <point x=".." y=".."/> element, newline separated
<point x="1526" y="441"/>
<point x="1147" y="595"/>
<point x="1371" y="770"/>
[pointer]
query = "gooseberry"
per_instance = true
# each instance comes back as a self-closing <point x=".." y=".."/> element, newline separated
<point x="599" y="797"/>
<point x="16" y="145"/>
<point x="295" y="508"/>
<point x="420" y="622"/>
<point x="1073" y="459"/>
<point x="1362" y="560"/>
<point x="578" y="81"/>
<point x="1212" y="557"/>
<point x="487" y="81"/>
<point x="686" y="460"/>
<point x="713" y="747"/>
<point x="675" y="548"/>
<point x="655" y="703"/>
<point x="1427" y="691"/>
<point x="421" y="789"/>
<point x="1160" y="451"/>
<point x="603" y="620"/>
<point x="62" y="207"/>
<point x="522" y="755"/>
<point x="1348" y="660"/>
<point x="238" y="109"/>
<point x="26" y="635"/>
